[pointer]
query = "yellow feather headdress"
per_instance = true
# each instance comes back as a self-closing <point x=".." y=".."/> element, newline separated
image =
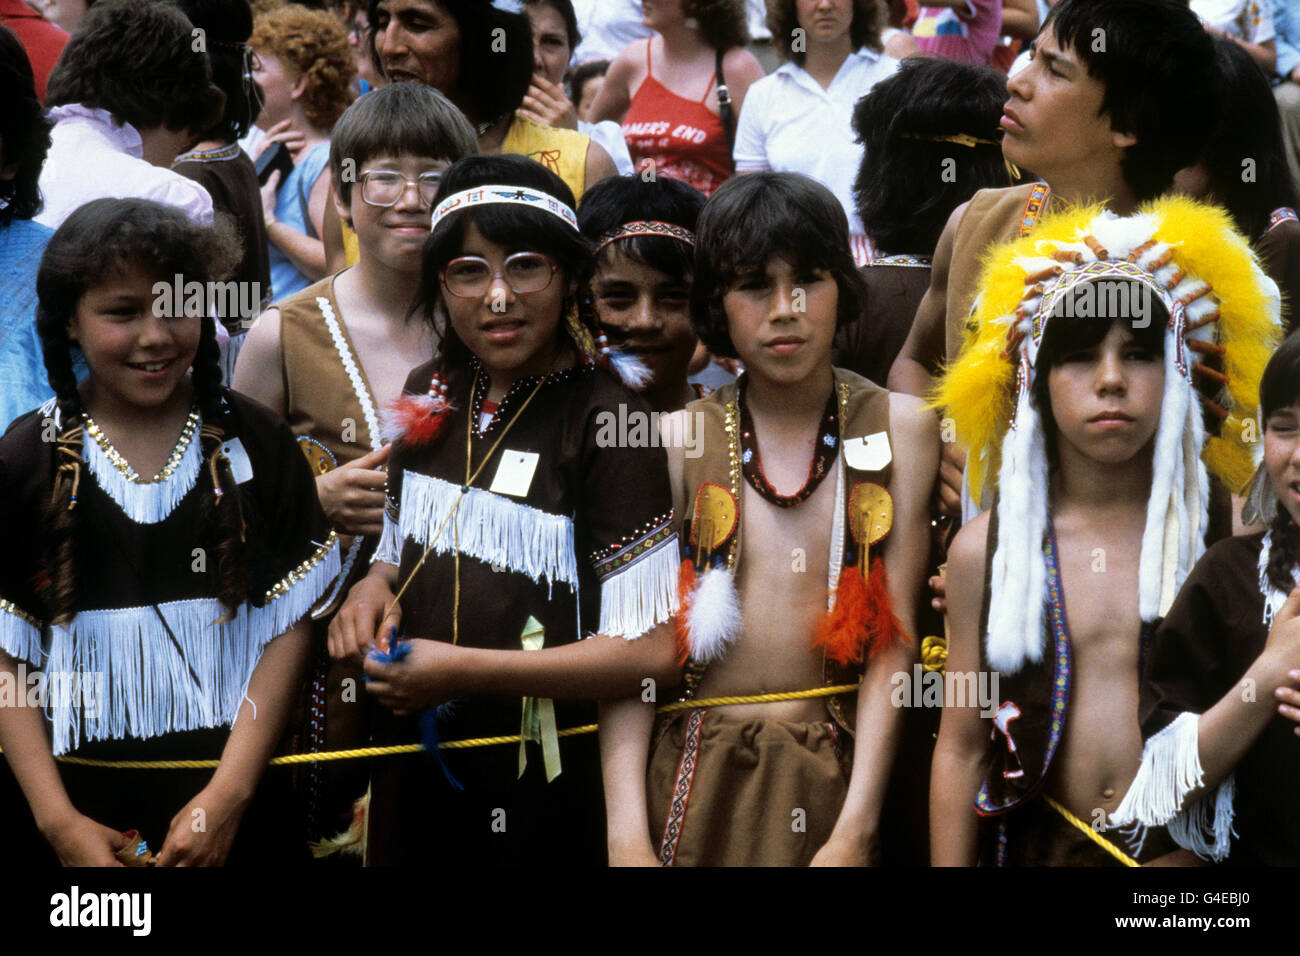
<point x="1184" y="247"/>
<point x="1223" y="326"/>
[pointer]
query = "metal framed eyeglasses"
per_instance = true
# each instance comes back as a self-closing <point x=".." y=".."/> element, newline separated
<point x="469" y="277"/>
<point x="384" y="187"/>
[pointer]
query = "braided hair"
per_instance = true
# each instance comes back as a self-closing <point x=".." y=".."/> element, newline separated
<point x="1279" y="387"/>
<point x="99" y="240"/>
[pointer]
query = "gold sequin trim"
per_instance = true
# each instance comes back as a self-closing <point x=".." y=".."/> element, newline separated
<point x="123" y="466"/>
<point x="8" y="607"/>
<point x="731" y="425"/>
<point x="285" y="584"/>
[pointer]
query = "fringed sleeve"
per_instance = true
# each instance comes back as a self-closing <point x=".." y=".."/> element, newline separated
<point x="389" y="549"/>
<point x="20" y="633"/>
<point x="631" y="535"/>
<point x="1195" y="658"/>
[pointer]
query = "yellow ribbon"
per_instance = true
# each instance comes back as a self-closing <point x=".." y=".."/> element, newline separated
<point x="393" y="750"/>
<point x="538" y="722"/>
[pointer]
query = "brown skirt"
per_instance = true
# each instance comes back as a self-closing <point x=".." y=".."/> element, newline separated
<point x="751" y="792"/>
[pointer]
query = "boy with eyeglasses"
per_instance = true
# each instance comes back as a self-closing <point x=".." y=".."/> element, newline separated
<point x="330" y="357"/>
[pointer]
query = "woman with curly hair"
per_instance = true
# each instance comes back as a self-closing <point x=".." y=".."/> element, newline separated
<point x="834" y="56"/>
<point x="679" y="121"/>
<point x="304" y="67"/>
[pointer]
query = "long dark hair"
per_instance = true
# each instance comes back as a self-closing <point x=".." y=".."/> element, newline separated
<point x="24" y="131"/>
<point x="97" y="241"/>
<point x="1278" y="388"/>
<point x="902" y="202"/>
<point x="1247" y="136"/>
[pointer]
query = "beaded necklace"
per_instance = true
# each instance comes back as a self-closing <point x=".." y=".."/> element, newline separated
<point x="828" y="443"/>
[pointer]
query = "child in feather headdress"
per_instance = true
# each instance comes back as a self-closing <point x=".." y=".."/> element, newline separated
<point x="1109" y="371"/>
<point x="804" y="541"/>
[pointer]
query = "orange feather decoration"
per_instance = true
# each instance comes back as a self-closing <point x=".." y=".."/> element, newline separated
<point x="681" y="627"/>
<point x="862" y="622"/>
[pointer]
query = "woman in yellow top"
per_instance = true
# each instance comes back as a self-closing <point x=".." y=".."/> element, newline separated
<point x="480" y="56"/>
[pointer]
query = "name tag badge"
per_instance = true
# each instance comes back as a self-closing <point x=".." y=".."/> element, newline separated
<point x="240" y="466"/>
<point x="871" y="453"/>
<point x="515" y="473"/>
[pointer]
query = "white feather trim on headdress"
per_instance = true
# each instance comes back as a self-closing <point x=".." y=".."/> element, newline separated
<point x="1171" y="540"/>
<point x="1019" y="573"/>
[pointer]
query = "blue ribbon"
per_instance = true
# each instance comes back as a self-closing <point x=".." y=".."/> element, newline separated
<point x="398" y="650"/>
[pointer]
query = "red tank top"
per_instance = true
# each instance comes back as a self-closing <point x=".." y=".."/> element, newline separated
<point x="684" y="138"/>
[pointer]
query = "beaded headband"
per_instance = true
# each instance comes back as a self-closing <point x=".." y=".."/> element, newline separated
<point x="487" y="195"/>
<point x="642" y="227"/>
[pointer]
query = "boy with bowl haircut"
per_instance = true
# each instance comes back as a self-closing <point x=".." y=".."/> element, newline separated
<point x="330" y="357"/>
<point x="809" y="480"/>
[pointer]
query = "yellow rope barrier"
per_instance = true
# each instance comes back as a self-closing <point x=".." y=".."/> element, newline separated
<point x="396" y="749"/>
<point x="1092" y="833"/>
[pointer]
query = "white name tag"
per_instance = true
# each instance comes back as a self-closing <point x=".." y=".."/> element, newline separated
<point x="871" y="453"/>
<point x="240" y="466"/>
<point x="515" y="473"/>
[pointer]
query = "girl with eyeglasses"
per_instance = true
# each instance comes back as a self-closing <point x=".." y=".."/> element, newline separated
<point x="526" y="567"/>
<point x="330" y="357"/>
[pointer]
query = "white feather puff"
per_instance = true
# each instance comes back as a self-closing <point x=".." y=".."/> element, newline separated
<point x="714" y="617"/>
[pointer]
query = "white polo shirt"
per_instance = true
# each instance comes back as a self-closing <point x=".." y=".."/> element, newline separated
<point x="788" y="123"/>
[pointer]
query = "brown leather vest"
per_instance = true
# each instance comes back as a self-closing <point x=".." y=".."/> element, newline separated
<point x="324" y="386"/>
<point x="992" y="216"/>
<point x="328" y="401"/>
<point x="865" y="412"/>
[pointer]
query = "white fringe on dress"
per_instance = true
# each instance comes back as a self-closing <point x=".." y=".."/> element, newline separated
<point x="642" y="594"/>
<point x="489" y="527"/>
<point x="389" y="549"/>
<point x="149" y="689"/>
<point x="1170" y="770"/>
<point x="20" y="635"/>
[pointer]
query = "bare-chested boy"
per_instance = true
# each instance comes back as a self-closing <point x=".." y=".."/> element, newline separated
<point x="1126" y="347"/>
<point x="798" y="469"/>
<point x="1108" y="109"/>
<point x="330" y="357"/>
